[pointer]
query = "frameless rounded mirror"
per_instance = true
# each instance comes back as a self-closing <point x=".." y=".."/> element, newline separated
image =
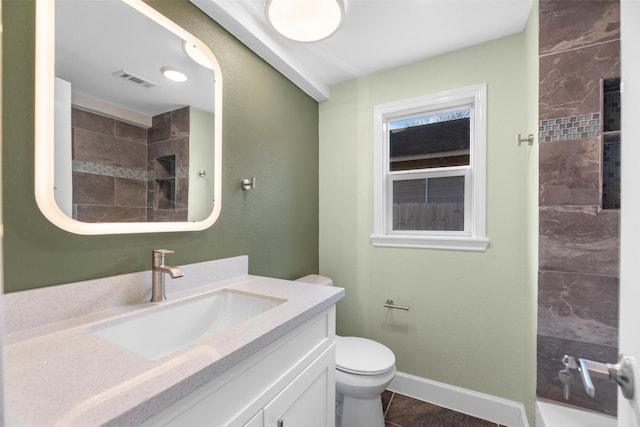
<point x="128" y="120"/>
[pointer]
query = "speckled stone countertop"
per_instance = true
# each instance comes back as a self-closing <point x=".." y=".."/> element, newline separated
<point x="58" y="373"/>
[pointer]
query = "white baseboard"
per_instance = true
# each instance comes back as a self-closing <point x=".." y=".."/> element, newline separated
<point x="476" y="404"/>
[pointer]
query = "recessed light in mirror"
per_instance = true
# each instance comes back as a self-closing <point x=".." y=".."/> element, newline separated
<point x="196" y="54"/>
<point x="173" y="74"/>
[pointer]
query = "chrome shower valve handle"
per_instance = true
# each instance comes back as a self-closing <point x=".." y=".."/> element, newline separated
<point x="621" y="373"/>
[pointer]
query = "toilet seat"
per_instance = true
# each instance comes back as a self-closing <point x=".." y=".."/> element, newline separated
<point x="361" y="356"/>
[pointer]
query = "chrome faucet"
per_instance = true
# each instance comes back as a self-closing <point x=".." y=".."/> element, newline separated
<point x="157" y="274"/>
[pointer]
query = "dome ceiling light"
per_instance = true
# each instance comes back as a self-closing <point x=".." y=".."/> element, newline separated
<point x="305" y="20"/>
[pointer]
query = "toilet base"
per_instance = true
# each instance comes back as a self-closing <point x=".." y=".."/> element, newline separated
<point x="354" y="412"/>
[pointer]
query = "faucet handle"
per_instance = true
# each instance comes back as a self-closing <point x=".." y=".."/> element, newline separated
<point x="158" y="256"/>
<point x="163" y="251"/>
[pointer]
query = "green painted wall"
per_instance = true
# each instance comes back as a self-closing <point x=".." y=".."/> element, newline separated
<point x="270" y="131"/>
<point x="472" y="315"/>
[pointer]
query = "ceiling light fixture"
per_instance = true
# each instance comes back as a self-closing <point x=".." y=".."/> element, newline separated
<point x="196" y="54"/>
<point x="305" y="20"/>
<point x="173" y="74"/>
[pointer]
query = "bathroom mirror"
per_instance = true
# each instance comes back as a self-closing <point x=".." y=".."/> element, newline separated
<point x="123" y="143"/>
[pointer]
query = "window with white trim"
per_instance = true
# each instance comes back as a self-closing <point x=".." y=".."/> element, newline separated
<point x="430" y="171"/>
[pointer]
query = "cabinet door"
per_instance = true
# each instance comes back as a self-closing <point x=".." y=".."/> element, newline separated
<point x="309" y="400"/>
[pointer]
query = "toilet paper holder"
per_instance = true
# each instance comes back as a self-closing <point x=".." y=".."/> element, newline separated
<point x="391" y="304"/>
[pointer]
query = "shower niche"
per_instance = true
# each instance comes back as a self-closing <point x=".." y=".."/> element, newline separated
<point x="165" y="183"/>
<point x="611" y="136"/>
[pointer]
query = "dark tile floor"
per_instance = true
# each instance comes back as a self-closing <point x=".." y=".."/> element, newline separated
<point x="403" y="411"/>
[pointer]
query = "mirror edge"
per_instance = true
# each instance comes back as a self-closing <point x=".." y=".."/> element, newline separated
<point x="44" y="127"/>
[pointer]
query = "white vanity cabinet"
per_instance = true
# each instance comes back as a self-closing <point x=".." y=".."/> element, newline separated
<point x="290" y="382"/>
<point x="309" y="400"/>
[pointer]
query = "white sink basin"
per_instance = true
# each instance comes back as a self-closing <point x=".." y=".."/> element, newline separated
<point x="163" y="331"/>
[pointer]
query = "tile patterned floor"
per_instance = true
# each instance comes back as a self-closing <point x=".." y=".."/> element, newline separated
<point x="403" y="411"/>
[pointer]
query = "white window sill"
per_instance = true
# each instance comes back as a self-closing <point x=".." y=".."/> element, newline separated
<point x="456" y="243"/>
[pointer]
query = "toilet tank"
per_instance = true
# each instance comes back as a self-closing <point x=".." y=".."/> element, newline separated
<point x="316" y="280"/>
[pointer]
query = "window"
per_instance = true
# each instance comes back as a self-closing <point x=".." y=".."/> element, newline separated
<point x="429" y="171"/>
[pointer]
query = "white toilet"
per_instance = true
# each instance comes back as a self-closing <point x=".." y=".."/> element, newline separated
<point x="364" y="369"/>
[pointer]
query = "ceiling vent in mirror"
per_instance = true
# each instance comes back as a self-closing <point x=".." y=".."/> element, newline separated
<point x="137" y="80"/>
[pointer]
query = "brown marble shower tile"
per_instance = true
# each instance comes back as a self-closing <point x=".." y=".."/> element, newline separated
<point x="88" y="213"/>
<point x="93" y="122"/>
<point x="164" y="195"/>
<point x="405" y="411"/>
<point x="570" y="172"/>
<point x="178" y="147"/>
<point x="160" y="129"/>
<point x="90" y="189"/>
<point x="579" y="307"/>
<point x="180" y="123"/>
<point x="73" y="144"/>
<point x="165" y="215"/>
<point x="151" y="194"/>
<point x="568" y="25"/>
<point x="131" y="193"/>
<point x="570" y="81"/>
<point x="580" y="239"/>
<point x="182" y="193"/>
<point x="550" y="352"/>
<point x="109" y="150"/>
<point x="130" y="132"/>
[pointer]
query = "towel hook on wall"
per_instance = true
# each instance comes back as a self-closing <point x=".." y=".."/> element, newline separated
<point x="248" y="183"/>
<point x="520" y="139"/>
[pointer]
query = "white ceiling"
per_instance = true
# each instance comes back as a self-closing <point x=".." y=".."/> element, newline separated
<point x="96" y="38"/>
<point x="375" y="35"/>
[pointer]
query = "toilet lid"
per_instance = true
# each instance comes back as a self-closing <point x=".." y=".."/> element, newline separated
<point x="363" y="356"/>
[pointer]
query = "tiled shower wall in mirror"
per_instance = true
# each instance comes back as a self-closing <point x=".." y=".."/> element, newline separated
<point x="119" y="169"/>
<point x="168" y="186"/>
<point x="578" y="260"/>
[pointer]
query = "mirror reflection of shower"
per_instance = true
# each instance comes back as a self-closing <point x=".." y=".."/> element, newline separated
<point x="130" y="143"/>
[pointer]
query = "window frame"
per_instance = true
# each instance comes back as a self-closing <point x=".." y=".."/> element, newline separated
<point x="473" y="238"/>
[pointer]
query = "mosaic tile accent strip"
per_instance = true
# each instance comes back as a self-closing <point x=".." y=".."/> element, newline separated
<point x="119" y="172"/>
<point x="568" y="128"/>
<point x="108" y="170"/>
